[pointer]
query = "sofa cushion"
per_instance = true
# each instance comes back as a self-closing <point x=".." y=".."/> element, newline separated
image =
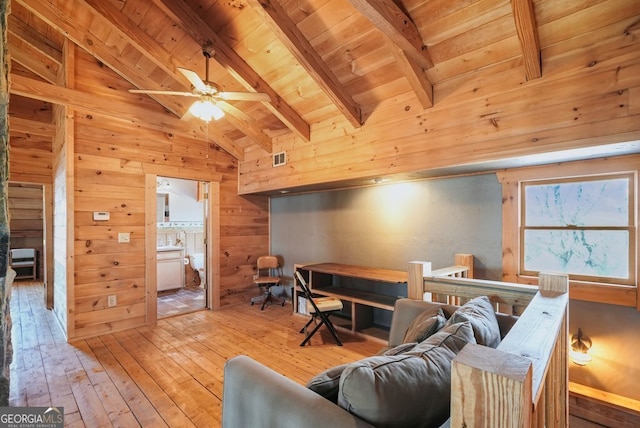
<point x="424" y="325"/>
<point x="454" y="337"/>
<point x="327" y="383"/>
<point x="480" y="313"/>
<point x="400" y="349"/>
<point x="412" y="389"/>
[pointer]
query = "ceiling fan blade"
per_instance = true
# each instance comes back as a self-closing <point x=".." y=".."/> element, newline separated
<point x="151" y="91"/>
<point x="193" y="77"/>
<point x="244" y="96"/>
<point x="228" y="108"/>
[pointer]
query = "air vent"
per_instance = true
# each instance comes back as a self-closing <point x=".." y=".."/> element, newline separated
<point x="279" y="159"/>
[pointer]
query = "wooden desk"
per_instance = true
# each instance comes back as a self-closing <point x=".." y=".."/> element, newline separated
<point x="368" y="294"/>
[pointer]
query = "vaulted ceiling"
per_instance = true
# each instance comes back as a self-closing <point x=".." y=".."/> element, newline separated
<point x="316" y="59"/>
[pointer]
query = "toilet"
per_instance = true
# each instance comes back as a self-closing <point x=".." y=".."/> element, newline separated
<point x="197" y="263"/>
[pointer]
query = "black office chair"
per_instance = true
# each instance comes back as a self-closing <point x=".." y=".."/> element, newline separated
<point x="319" y="308"/>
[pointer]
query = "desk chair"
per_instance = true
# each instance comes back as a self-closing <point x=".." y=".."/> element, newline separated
<point x="269" y="274"/>
<point x="23" y="259"/>
<point x="319" y="308"/>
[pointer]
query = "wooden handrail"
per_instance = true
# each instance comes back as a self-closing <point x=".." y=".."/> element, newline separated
<point x="452" y="271"/>
<point x="524" y="382"/>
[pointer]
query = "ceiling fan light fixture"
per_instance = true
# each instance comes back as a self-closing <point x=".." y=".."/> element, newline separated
<point x="206" y="110"/>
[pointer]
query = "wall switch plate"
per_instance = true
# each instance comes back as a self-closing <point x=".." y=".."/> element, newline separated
<point x="255" y="277"/>
<point x="124" y="237"/>
<point x="112" y="301"/>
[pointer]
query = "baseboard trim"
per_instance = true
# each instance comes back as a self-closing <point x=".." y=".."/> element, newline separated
<point x="603" y="407"/>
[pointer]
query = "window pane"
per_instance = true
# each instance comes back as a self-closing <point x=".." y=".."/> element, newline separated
<point x="579" y="252"/>
<point x="586" y="203"/>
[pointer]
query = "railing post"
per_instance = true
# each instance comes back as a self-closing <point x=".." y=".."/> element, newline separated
<point x="556" y="388"/>
<point x="490" y="388"/>
<point x="464" y="260"/>
<point x="415" y="280"/>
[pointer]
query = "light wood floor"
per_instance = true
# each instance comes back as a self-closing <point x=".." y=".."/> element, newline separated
<point x="168" y="375"/>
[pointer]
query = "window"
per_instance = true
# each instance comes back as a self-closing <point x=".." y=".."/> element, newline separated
<point x="581" y="226"/>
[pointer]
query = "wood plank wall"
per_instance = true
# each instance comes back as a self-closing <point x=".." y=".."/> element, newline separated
<point x="111" y="160"/>
<point x="588" y="95"/>
<point x="31" y="161"/>
<point x="62" y="206"/>
<point x="31" y="138"/>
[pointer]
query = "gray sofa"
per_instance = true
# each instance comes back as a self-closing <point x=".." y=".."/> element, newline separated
<point x="256" y="396"/>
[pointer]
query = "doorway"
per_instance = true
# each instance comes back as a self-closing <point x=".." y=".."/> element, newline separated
<point x="181" y="256"/>
<point x="26" y="204"/>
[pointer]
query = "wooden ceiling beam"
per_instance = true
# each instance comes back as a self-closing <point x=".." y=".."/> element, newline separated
<point x="36" y="40"/>
<point x="238" y="119"/>
<point x="527" y="30"/>
<point x="193" y="24"/>
<point x="94" y="46"/>
<point x="144" y="43"/>
<point x="29" y="62"/>
<point x="415" y="75"/>
<point x="286" y="30"/>
<point x="167" y="62"/>
<point x="89" y="103"/>
<point x="387" y="17"/>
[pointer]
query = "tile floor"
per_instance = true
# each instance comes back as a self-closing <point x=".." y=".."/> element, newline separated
<point x="180" y="301"/>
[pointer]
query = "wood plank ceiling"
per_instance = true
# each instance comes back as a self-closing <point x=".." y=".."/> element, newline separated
<point x="316" y="59"/>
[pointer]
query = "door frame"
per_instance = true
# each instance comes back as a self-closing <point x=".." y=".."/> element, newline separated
<point x="212" y="247"/>
<point x="46" y="257"/>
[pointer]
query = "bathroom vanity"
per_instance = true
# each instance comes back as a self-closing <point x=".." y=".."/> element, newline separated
<point x="170" y="265"/>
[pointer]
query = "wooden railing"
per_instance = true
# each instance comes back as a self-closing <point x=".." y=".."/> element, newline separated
<point x="524" y="382"/>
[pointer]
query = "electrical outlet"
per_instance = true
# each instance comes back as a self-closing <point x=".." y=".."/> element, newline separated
<point x="112" y="300"/>
<point x="124" y="237"/>
<point x="255" y="276"/>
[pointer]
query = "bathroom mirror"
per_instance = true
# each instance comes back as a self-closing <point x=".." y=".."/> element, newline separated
<point x="162" y="207"/>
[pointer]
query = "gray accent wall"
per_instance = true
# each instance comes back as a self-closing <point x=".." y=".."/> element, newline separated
<point x="388" y="225"/>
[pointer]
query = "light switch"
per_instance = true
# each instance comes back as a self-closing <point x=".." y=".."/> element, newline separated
<point x="124" y="237"/>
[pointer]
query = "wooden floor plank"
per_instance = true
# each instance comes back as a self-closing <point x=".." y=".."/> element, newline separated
<point x="141" y="407"/>
<point x="169" y="375"/>
<point x="170" y="413"/>
<point x="115" y="405"/>
<point x="162" y="376"/>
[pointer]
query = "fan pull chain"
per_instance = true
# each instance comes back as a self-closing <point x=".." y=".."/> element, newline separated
<point x="206" y="140"/>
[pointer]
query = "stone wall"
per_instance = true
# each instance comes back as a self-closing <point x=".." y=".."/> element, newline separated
<point x="5" y="279"/>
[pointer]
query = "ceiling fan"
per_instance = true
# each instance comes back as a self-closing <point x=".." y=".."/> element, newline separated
<point x="209" y="93"/>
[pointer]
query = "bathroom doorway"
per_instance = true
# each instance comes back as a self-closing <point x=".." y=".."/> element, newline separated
<point x="181" y="246"/>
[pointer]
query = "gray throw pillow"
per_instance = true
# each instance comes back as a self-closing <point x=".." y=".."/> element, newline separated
<point x="412" y="389"/>
<point x="327" y="383"/>
<point x="482" y="317"/>
<point x="424" y="325"/>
